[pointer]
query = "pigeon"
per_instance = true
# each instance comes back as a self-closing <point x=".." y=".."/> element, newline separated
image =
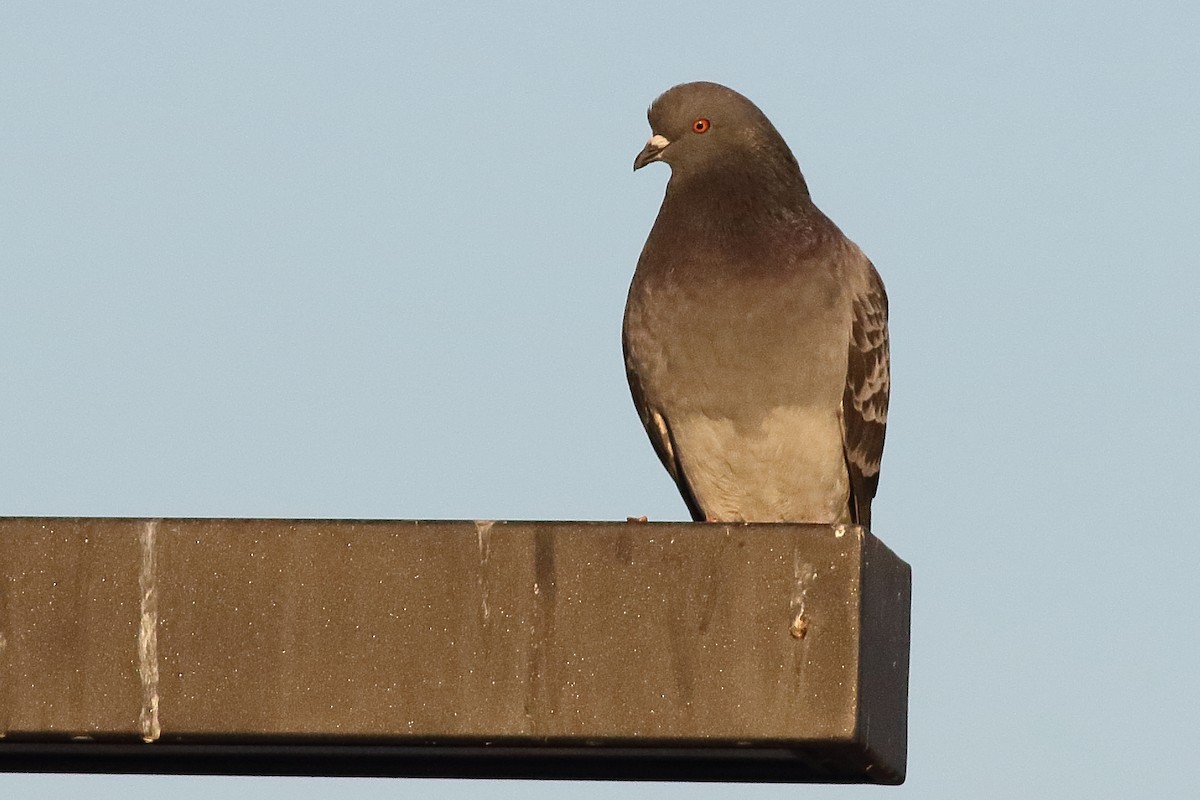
<point x="755" y="333"/>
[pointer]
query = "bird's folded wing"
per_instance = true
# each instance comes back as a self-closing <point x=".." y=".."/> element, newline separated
<point x="659" y="432"/>
<point x="865" y="402"/>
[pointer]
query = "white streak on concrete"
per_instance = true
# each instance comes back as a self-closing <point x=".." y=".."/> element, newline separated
<point x="148" y="635"/>
<point x="483" y="531"/>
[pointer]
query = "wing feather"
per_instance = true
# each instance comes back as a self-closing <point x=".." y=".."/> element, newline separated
<point x="865" y="402"/>
<point x="661" y="438"/>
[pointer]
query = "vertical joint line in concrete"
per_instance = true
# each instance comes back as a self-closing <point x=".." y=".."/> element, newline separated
<point x="148" y="634"/>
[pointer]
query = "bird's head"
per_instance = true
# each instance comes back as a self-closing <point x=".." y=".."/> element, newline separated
<point x="700" y="126"/>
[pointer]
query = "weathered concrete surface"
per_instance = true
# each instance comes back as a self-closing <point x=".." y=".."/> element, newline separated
<point x="670" y="650"/>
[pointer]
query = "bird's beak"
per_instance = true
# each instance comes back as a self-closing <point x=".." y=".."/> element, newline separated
<point x="651" y="152"/>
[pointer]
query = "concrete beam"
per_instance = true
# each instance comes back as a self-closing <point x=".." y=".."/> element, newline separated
<point x="673" y="651"/>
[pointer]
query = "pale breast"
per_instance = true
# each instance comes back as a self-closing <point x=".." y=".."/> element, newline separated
<point x="789" y="469"/>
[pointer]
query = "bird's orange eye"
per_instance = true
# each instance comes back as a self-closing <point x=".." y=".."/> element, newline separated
<point x="701" y="125"/>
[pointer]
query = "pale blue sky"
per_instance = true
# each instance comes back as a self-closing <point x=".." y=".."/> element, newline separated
<point x="370" y="260"/>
